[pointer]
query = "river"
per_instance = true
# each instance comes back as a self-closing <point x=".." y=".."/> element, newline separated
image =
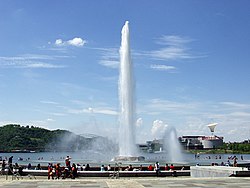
<point x="96" y="159"/>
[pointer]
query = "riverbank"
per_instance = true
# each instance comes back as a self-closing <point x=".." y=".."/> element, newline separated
<point x="217" y="151"/>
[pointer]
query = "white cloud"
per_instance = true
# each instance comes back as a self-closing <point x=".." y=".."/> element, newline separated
<point x="105" y="111"/>
<point x="57" y="114"/>
<point x="170" y="53"/>
<point x="43" y="65"/>
<point x="77" y="42"/>
<point x="161" y="105"/>
<point x="31" y="61"/>
<point x="191" y="117"/>
<point x="163" y="67"/>
<point x="139" y="122"/>
<point x="49" y="102"/>
<point x="109" y="57"/>
<point x="109" y="78"/>
<point x="50" y="120"/>
<point x="174" y="48"/>
<point x="240" y="114"/>
<point x="174" y="40"/>
<point x="158" y="129"/>
<point x="110" y="63"/>
<point x="59" y="42"/>
<point x="235" y="105"/>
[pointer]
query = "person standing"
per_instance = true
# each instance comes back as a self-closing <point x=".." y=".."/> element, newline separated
<point x="3" y="166"/>
<point x="58" y="170"/>
<point x="67" y="162"/>
<point x="235" y="161"/>
<point x="157" y="168"/>
<point x="50" y="171"/>
<point x="10" y="162"/>
<point x="74" y="171"/>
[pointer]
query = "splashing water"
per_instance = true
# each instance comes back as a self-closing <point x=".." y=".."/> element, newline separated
<point x="127" y="145"/>
<point x="172" y="146"/>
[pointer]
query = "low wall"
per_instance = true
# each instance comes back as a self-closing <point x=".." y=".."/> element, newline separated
<point x="217" y="171"/>
<point x="110" y="173"/>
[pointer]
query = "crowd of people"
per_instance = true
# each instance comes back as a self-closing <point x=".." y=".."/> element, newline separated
<point x="231" y="160"/>
<point x="7" y="166"/>
<point x="70" y="170"/>
<point x="67" y="171"/>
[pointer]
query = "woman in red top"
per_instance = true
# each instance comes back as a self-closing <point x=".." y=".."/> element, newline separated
<point x="172" y="167"/>
<point x="50" y="171"/>
<point x="150" y="168"/>
<point x="58" y="170"/>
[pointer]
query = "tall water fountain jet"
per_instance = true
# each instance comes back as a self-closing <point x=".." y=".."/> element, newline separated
<point x="172" y="146"/>
<point x="127" y="147"/>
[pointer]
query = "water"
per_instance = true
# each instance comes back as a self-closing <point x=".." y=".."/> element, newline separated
<point x="96" y="159"/>
<point x="127" y="145"/>
<point x="172" y="146"/>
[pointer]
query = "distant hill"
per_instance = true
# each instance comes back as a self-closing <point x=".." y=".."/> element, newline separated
<point x="17" y="138"/>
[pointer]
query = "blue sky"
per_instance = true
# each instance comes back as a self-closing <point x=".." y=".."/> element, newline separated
<point x="59" y="65"/>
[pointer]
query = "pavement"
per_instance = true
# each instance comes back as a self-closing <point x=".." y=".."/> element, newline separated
<point x="42" y="182"/>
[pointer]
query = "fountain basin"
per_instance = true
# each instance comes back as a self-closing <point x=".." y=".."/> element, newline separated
<point x="129" y="158"/>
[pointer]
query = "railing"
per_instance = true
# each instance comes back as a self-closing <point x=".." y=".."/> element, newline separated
<point x="116" y="172"/>
<point x="15" y="173"/>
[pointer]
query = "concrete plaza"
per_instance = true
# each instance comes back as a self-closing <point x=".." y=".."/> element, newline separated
<point x="42" y="182"/>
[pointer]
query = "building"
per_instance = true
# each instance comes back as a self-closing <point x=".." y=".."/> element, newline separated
<point x="211" y="142"/>
<point x="191" y="142"/>
<point x="201" y="142"/>
<point x="152" y="146"/>
<point x="188" y="142"/>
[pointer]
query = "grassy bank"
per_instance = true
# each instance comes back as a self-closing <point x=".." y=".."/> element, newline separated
<point x="217" y="151"/>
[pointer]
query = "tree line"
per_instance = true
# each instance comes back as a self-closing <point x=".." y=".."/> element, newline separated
<point x="15" y="138"/>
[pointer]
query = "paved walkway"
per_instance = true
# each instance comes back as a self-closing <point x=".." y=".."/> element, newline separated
<point x="42" y="182"/>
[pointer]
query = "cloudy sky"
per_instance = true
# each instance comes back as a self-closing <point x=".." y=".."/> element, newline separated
<point x="59" y="65"/>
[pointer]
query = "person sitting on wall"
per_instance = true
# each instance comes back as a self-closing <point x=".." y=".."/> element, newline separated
<point x="126" y="169"/>
<point x="167" y="167"/>
<point x="16" y="166"/>
<point x="87" y="167"/>
<point x="102" y="168"/>
<point x="172" y="168"/>
<point x="183" y="167"/>
<point x="109" y="168"/>
<point x="129" y="168"/>
<point x="38" y="167"/>
<point x="83" y="168"/>
<point x="140" y="168"/>
<point x="150" y="168"/>
<point x="29" y="166"/>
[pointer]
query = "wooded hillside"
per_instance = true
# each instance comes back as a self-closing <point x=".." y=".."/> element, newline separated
<point x="15" y="137"/>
